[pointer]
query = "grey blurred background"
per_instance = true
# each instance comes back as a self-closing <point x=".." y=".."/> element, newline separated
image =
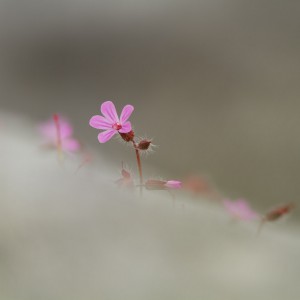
<point x="216" y="83"/>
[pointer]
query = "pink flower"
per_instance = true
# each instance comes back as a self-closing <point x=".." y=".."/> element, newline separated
<point x="110" y="122"/>
<point x="58" y="133"/>
<point x="240" y="209"/>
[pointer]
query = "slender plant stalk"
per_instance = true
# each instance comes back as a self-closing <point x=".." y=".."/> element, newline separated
<point x="139" y="163"/>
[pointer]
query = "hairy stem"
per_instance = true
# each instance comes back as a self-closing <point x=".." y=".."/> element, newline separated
<point x="139" y="163"/>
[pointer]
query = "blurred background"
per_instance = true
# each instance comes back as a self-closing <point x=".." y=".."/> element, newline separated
<point x="215" y="83"/>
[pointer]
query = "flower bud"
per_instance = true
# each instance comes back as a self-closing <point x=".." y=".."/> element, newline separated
<point x="279" y="212"/>
<point x="144" y="145"/>
<point x="125" y="174"/>
<point x="173" y="184"/>
<point x="127" y="137"/>
<point x="126" y="180"/>
<point x="153" y="184"/>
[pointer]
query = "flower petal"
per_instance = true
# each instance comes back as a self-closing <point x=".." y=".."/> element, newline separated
<point x="240" y="209"/>
<point x="66" y="129"/>
<point x="100" y="122"/>
<point x="126" y="127"/>
<point x="70" y="145"/>
<point x="126" y="113"/>
<point x="49" y="131"/>
<point x="108" y="110"/>
<point x="105" y="136"/>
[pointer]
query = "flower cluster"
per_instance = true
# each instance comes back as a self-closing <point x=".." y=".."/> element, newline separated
<point x="58" y="133"/>
<point x="112" y="124"/>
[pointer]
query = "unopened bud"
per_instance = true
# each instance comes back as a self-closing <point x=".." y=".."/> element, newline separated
<point x="125" y="173"/>
<point x="153" y="184"/>
<point x="144" y="145"/>
<point x="279" y="212"/>
<point x="127" y="137"/>
<point x="173" y="184"/>
<point x="126" y="180"/>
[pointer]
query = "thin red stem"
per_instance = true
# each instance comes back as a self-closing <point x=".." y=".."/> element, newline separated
<point x="139" y="163"/>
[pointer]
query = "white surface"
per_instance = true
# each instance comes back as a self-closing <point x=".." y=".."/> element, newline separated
<point x="76" y="236"/>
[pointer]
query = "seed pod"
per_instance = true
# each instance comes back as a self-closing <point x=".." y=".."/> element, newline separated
<point x="144" y="145"/>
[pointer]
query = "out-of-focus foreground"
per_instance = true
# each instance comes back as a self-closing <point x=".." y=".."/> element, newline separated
<point x="67" y="235"/>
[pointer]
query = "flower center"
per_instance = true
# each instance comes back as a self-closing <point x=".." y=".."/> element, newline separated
<point x="117" y="126"/>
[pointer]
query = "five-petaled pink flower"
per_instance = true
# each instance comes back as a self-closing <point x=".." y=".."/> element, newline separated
<point x="110" y="122"/>
<point x="58" y="132"/>
<point x="240" y="209"/>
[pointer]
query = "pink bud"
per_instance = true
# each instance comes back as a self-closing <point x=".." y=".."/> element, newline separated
<point x="173" y="184"/>
<point x="153" y="184"/>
